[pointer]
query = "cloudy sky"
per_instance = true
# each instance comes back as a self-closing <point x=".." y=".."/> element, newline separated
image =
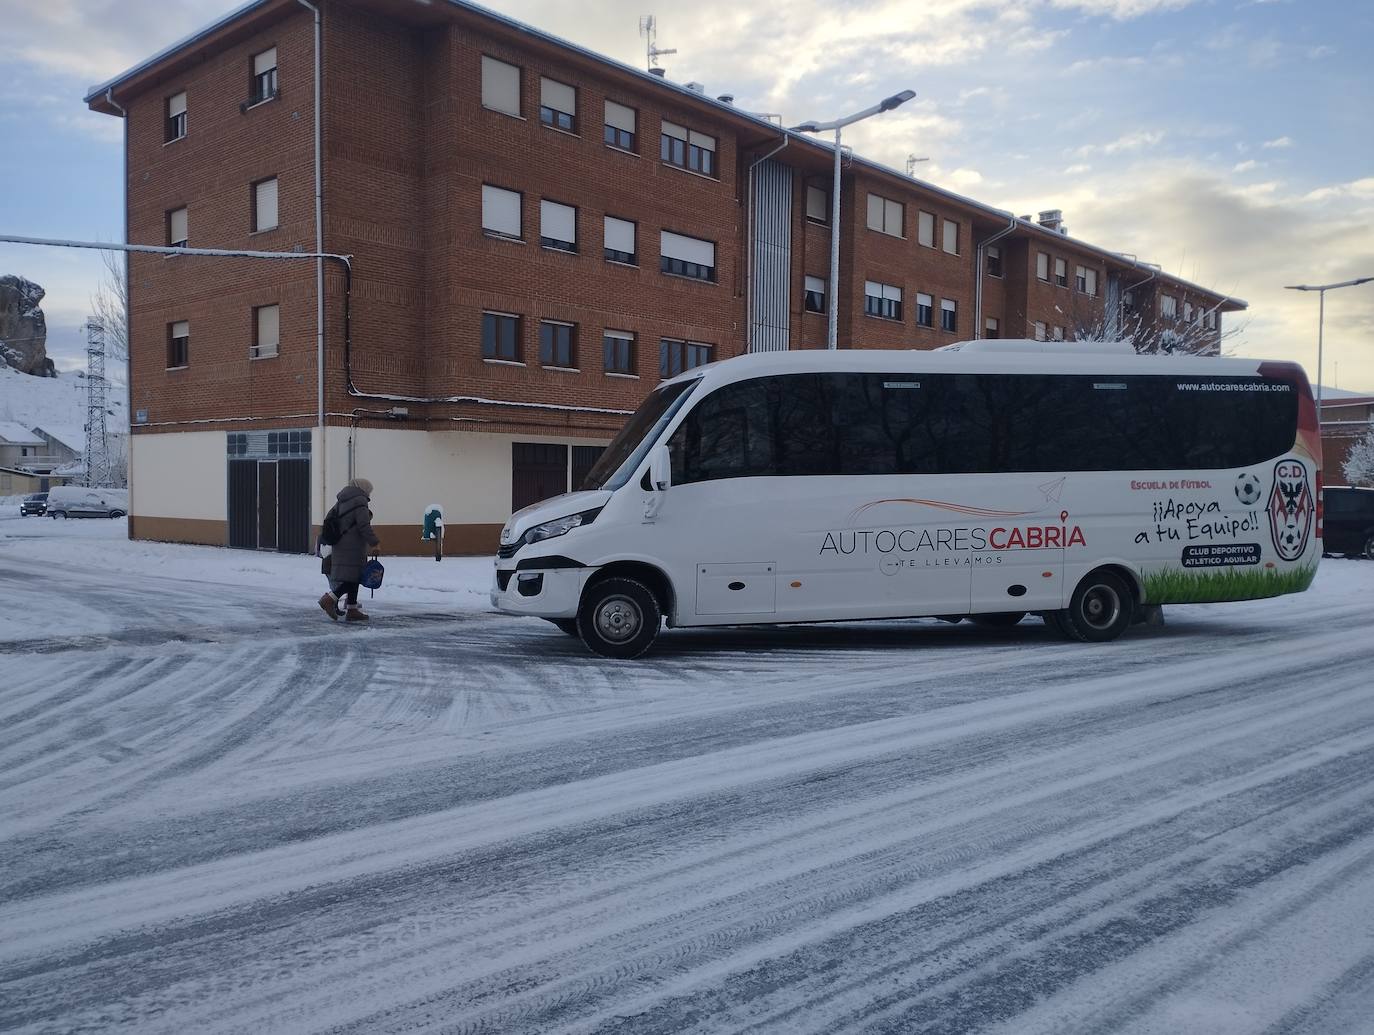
<point x="1231" y="141"/>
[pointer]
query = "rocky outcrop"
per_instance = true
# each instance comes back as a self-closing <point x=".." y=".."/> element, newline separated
<point x="23" y="328"/>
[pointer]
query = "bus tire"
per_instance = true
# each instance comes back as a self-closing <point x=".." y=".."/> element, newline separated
<point x="998" y="619"/>
<point x="566" y="625"/>
<point x="619" y="618"/>
<point x="1100" y="609"/>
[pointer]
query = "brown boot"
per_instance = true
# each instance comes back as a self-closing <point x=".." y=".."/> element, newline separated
<point x="329" y="604"/>
<point x="355" y="614"/>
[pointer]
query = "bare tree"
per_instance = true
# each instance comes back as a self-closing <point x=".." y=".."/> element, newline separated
<point x="1184" y="337"/>
<point x="110" y="306"/>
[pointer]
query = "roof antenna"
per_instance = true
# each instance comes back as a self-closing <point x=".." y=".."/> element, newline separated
<point x="649" y="30"/>
<point x="911" y="161"/>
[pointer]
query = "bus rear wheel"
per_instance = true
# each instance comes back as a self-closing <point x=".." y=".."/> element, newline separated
<point x="1100" y="609"/>
<point x="619" y="618"/>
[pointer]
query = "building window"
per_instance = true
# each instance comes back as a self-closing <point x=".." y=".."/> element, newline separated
<point x="263" y="85"/>
<point x="266" y="332"/>
<point x="991" y="327"/>
<point x="1042" y="266"/>
<point x="949" y="315"/>
<point x="1092" y="281"/>
<point x="1039" y="331"/>
<point x="815" y="295"/>
<point x="176" y="117"/>
<point x="925" y="229"/>
<point x="688" y="149"/>
<point x="618" y="352"/>
<point x="177" y="223"/>
<point x="557" y="105"/>
<point x="557" y="226"/>
<point x="265" y="205"/>
<point x="675" y="356"/>
<point x="620" y="241"/>
<point x="882" y="300"/>
<point x="620" y="126"/>
<point x="1187" y="312"/>
<point x="817" y="205"/>
<point x="994" y="260"/>
<point x="1061" y="272"/>
<point x="1168" y="306"/>
<point x="925" y="310"/>
<point x="1209" y="319"/>
<point x="501" y="337"/>
<point x="178" y="344"/>
<point x="500" y="212"/>
<point x="951" y="237"/>
<point x="687" y="256"/>
<point x="556" y="341"/>
<point x="500" y="86"/>
<point x="1057" y="333"/>
<point x="886" y="216"/>
<point x="1128" y="299"/>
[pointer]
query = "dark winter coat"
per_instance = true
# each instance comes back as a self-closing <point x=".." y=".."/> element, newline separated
<point x="350" y="552"/>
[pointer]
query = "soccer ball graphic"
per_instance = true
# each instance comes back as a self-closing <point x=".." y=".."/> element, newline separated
<point x="1248" y="489"/>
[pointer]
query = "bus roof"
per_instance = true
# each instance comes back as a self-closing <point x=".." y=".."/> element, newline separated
<point x="1006" y="356"/>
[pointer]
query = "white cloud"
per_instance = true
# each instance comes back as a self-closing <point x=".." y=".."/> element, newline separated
<point x="1078" y="169"/>
<point x="1246" y="166"/>
<point x="1137" y="141"/>
<point x="1278" y="142"/>
<point x="1122" y="10"/>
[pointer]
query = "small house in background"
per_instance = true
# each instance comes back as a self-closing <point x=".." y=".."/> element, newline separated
<point x="20" y="448"/>
<point x="66" y="444"/>
<point x="17" y="482"/>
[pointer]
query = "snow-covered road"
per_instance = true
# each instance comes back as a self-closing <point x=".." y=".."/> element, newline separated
<point x="220" y="812"/>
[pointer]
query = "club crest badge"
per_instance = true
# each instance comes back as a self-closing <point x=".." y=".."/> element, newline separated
<point x="1290" y="509"/>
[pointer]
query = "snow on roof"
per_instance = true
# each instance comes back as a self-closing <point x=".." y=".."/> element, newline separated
<point x="73" y="436"/>
<point x="15" y="434"/>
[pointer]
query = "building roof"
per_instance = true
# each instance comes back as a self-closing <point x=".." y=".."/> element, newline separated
<point x="96" y="94"/>
<point x="13" y="433"/>
<point x="73" y="436"/>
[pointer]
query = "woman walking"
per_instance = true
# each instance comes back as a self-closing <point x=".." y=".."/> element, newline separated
<point x="349" y="554"/>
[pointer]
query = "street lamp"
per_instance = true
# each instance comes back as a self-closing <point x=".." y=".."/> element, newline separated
<point x="887" y="104"/>
<point x="1321" y="290"/>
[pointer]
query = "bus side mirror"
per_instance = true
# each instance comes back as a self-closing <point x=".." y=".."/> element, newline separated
<point x="660" y="469"/>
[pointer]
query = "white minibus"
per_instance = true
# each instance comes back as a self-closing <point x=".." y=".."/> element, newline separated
<point x="989" y="480"/>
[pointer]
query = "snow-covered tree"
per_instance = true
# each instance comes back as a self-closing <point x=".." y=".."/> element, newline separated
<point x="1359" y="465"/>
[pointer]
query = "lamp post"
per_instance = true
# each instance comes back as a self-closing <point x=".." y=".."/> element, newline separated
<point x="1321" y="290"/>
<point x="833" y="287"/>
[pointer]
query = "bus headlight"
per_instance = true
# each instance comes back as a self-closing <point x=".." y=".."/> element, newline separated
<point x="562" y="526"/>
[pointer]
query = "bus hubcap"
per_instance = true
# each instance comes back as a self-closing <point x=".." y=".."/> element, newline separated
<point x="1100" y="607"/>
<point x="617" y="619"/>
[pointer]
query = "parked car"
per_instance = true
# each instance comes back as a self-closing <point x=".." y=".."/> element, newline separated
<point x="79" y="501"/>
<point x="1349" y="525"/>
<point x="34" y="503"/>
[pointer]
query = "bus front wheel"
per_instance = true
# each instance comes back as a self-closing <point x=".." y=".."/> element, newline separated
<point x="1100" y="609"/>
<point x="619" y="618"/>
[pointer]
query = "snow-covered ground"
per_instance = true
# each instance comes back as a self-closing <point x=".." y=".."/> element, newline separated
<point x="57" y="404"/>
<point x="221" y="812"/>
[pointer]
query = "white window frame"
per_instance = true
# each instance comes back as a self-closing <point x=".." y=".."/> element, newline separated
<point x="1168" y="306"/>
<point x="1080" y="279"/>
<point x="1040" y="330"/>
<point x="176" y="108"/>
<point x="625" y="336"/>
<point x="496" y="76"/>
<point x="264" y="69"/>
<point x="1092" y="282"/>
<point x="262" y="207"/>
<point x="948" y="244"/>
<point x="814" y="285"/>
<point x="557" y="223"/>
<point x="993" y="251"/>
<point x="175" y="240"/>
<point x="185" y="335"/>
<point x="886" y="216"/>
<point x="949" y="305"/>
<point x="1056" y="333"/>
<point x="613" y="234"/>
<point x="925" y="228"/>
<point x="926" y="302"/>
<point x="615" y="116"/>
<point x="886" y="295"/>
<point x="266" y="343"/>
<point x="991" y="327"/>
<point x="495" y="215"/>
<point x="692" y="250"/>
<point x="561" y="99"/>
<point x="1061" y="273"/>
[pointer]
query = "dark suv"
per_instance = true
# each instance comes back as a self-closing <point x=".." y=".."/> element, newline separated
<point x="1349" y="524"/>
<point x="37" y="503"/>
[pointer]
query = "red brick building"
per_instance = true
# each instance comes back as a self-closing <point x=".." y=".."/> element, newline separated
<point x="536" y="234"/>
<point x="1346" y="418"/>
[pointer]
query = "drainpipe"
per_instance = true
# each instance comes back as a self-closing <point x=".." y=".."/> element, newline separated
<point x="978" y="274"/>
<point x="1153" y="273"/>
<point x="128" y="322"/>
<point x="319" y="275"/>
<point x="749" y="245"/>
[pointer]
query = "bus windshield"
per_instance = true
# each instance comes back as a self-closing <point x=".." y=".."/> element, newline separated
<point x="640" y="432"/>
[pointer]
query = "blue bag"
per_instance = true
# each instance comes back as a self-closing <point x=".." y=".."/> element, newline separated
<point x="372" y="574"/>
